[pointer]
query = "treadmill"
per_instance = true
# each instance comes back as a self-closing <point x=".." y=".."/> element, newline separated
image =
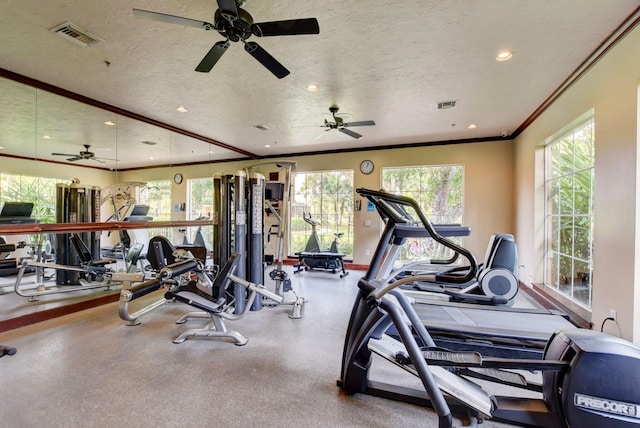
<point x="500" y="331"/>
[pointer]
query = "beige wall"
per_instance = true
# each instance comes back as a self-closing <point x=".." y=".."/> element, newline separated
<point x="87" y="176"/>
<point x="488" y="183"/>
<point x="610" y="88"/>
<point x="488" y="189"/>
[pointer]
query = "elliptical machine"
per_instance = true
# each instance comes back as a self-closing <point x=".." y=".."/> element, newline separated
<point x="589" y="379"/>
<point x="314" y="258"/>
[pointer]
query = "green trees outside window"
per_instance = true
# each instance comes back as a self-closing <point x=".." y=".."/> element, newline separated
<point x="157" y="194"/>
<point x="39" y="190"/>
<point x="328" y="197"/>
<point x="439" y="190"/>
<point x="569" y="162"/>
<point x="200" y="205"/>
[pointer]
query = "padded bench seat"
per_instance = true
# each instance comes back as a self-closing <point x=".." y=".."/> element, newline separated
<point x="320" y="260"/>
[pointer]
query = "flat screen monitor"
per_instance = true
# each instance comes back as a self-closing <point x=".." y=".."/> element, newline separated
<point x="274" y="191"/>
<point x="139" y="210"/>
<point x="17" y="209"/>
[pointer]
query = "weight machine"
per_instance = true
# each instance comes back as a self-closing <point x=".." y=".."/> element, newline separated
<point x="239" y="201"/>
<point x="280" y="193"/>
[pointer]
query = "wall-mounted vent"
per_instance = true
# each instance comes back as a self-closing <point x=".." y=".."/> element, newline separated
<point x="76" y="34"/>
<point x="261" y="127"/>
<point x="446" y="105"/>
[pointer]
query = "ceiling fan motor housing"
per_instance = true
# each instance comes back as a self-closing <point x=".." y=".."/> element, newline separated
<point x="236" y="30"/>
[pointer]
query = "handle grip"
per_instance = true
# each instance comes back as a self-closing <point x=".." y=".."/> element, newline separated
<point x="260" y="289"/>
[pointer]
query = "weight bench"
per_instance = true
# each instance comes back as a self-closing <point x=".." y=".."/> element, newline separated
<point x="320" y="260"/>
<point x="96" y="268"/>
<point x="214" y="301"/>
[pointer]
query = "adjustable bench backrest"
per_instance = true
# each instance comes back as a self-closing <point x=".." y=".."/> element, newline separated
<point x="160" y="252"/>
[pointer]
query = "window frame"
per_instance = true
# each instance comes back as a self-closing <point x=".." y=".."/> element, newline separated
<point x="423" y="247"/>
<point x="165" y="205"/>
<point x="346" y="241"/>
<point x="558" y="214"/>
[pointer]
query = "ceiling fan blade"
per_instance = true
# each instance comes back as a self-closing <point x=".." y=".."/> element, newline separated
<point x="75" y="158"/>
<point x="171" y="19"/>
<point x="322" y="133"/>
<point x="350" y="133"/>
<point x="361" y="123"/>
<point x="212" y="57"/>
<point x="228" y="9"/>
<point x="290" y="27"/>
<point x="105" y="159"/>
<point x="63" y="154"/>
<point x="266" y="59"/>
<point x="97" y="160"/>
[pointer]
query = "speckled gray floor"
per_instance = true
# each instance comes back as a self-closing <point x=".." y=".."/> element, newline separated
<point x="90" y="370"/>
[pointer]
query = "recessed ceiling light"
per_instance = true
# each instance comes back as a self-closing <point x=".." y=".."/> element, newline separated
<point x="2" y="147"/>
<point x="472" y="126"/>
<point x="151" y="158"/>
<point x="267" y="145"/>
<point x="182" y="109"/>
<point x="46" y="137"/>
<point x="210" y="152"/>
<point x="504" y="56"/>
<point x="313" y="87"/>
<point x="109" y="123"/>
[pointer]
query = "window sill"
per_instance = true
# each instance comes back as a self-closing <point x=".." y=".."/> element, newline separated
<point x="548" y="301"/>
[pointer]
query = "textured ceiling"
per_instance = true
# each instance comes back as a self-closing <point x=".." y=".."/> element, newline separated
<point x="388" y="61"/>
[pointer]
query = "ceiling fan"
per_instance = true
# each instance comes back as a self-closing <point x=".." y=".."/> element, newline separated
<point x="236" y="24"/>
<point x="84" y="155"/>
<point x="342" y="126"/>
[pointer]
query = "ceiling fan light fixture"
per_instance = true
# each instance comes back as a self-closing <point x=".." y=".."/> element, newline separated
<point x="505" y="55"/>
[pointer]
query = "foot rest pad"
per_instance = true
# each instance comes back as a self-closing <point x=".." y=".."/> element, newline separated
<point x="500" y="375"/>
<point x="440" y="357"/>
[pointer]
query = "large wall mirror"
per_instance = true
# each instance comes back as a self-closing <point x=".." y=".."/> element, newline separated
<point x="44" y="134"/>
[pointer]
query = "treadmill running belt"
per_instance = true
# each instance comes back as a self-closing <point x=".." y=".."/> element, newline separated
<point x="526" y="325"/>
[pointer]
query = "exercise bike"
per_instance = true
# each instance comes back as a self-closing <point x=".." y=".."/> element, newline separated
<point x="588" y="379"/>
<point x="314" y="258"/>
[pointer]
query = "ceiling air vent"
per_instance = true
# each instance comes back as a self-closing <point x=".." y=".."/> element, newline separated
<point x="76" y="34"/>
<point x="446" y="105"/>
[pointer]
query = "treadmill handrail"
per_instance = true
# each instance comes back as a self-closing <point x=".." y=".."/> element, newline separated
<point x="391" y="207"/>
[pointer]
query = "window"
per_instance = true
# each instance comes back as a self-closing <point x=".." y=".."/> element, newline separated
<point x="328" y="197"/>
<point x="157" y="194"/>
<point x="569" y="178"/>
<point x="39" y="190"/>
<point x="200" y="205"/>
<point x="438" y="190"/>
